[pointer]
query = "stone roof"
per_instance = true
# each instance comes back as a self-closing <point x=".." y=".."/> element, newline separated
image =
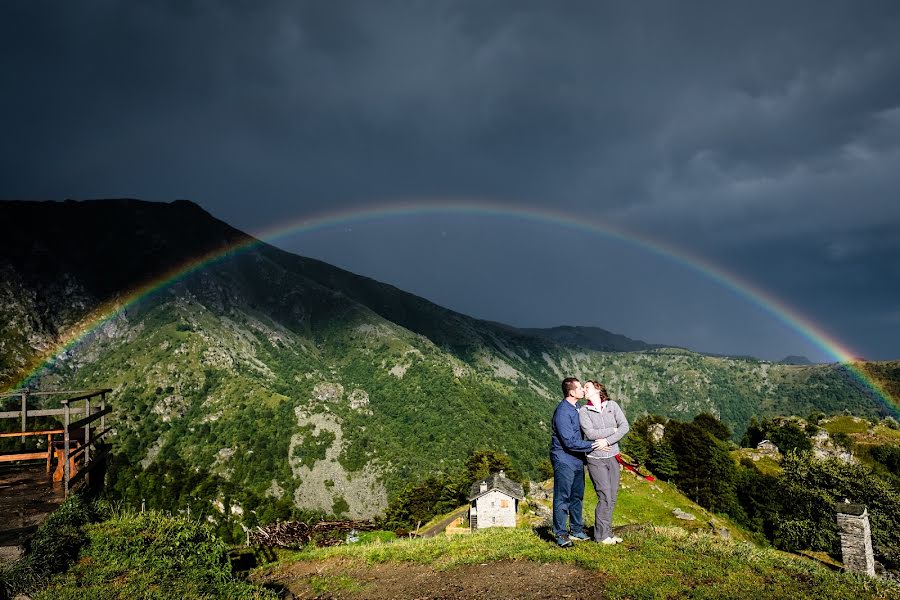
<point x="845" y="508"/>
<point x="499" y="482"/>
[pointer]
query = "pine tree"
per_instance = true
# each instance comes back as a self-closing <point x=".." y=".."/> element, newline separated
<point x="713" y="426"/>
<point x="706" y="472"/>
<point x="663" y="461"/>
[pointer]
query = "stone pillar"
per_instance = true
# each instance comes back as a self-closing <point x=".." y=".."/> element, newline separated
<point x="856" y="538"/>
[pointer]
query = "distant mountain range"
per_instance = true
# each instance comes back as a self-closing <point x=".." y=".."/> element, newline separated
<point x="286" y="377"/>
<point x="592" y="338"/>
<point x="795" y="360"/>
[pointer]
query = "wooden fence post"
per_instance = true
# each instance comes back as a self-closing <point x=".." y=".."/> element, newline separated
<point x="66" y="473"/>
<point x="87" y="440"/>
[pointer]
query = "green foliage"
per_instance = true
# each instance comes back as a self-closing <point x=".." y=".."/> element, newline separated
<point x="545" y="469"/>
<point x="314" y="446"/>
<point x="439" y="494"/>
<point x="889" y="456"/>
<point x="638" y="445"/>
<point x="792" y="506"/>
<point x="75" y="554"/>
<point x="151" y="556"/>
<point x="151" y="541"/>
<point x="634" y="446"/>
<point x="663" y="461"/>
<point x="759" y="497"/>
<point x="173" y="486"/>
<point x="713" y="426"/>
<point x="419" y="502"/>
<point x="51" y="549"/>
<point x="809" y="490"/>
<point x="482" y="463"/>
<point x="790" y="437"/>
<point x="816" y="417"/>
<point x="843" y="440"/>
<point x="756" y="432"/>
<point x="787" y="434"/>
<point x="339" y="506"/>
<point x="706" y="472"/>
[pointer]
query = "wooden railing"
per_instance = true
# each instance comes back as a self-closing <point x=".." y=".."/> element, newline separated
<point x="73" y="451"/>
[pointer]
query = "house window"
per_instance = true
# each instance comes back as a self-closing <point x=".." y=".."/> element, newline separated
<point x="504" y="504"/>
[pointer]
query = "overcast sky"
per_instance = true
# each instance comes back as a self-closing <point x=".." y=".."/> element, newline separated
<point x="761" y="136"/>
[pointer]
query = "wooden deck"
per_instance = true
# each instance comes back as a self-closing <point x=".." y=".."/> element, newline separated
<point x="30" y="491"/>
<point x="28" y="495"/>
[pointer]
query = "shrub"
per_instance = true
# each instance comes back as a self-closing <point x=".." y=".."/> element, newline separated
<point x="54" y="545"/>
<point x="154" y="556"/>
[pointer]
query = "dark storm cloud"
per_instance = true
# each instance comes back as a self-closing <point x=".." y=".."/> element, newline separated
<point x="741" y="132"/>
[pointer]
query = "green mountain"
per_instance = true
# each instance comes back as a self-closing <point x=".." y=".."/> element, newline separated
<point x="267" y="376"/>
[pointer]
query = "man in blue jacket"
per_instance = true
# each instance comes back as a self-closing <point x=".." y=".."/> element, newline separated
<point x="567" y="454"/>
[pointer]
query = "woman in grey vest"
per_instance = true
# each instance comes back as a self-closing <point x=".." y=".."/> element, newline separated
<point x="602" y="419"/>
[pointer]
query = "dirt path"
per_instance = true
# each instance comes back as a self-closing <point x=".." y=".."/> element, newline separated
<point x="336" y="579"/>
<point x="442" y="524"/>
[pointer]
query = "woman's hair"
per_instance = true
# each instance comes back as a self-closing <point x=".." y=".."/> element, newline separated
<point x="600" y="388"/>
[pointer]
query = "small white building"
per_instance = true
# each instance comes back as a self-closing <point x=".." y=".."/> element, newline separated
<point x="493" y="502"/>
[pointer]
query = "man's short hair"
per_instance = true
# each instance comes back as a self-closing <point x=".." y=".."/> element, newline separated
<point x="569" y="384"/>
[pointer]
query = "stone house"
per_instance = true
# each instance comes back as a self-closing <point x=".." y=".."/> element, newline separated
<point x="493" y="502"/>
<point x="767" y="448"/>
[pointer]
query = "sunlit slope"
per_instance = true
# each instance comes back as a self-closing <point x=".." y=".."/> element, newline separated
<point x="293" y="380"/>
<point x="654" y="562"/>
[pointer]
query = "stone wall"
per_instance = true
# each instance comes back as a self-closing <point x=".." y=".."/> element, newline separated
<point x="856" y="538"/>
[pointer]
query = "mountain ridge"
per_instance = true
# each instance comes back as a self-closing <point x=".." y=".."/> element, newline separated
<point x="279" y="377"/>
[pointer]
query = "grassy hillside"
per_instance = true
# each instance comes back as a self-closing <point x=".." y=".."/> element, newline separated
<point x="267" y="380"/>
<point x="126" y="555"/>
<point x="643" y="503"/>
<point x="654" y="562"/>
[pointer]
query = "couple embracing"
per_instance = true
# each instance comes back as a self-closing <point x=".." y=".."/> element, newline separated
<point x="589" y="434"/>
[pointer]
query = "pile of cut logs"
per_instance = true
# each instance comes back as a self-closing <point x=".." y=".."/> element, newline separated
<point x="297" y="533"/>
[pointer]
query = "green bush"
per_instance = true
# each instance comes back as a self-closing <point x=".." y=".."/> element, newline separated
<point x="809" y="490"/>
<point x="150" y="556"/>
<point x="52" y="548"/>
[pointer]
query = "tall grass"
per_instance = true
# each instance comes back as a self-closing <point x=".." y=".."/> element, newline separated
<point x="51" y="549"/>
<point x="126" y="555"/>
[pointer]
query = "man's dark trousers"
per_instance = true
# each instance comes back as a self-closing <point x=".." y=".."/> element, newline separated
<point x="568" y="495"/>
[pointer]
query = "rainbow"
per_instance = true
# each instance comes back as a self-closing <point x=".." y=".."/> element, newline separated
<point x="739" y="286"/>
